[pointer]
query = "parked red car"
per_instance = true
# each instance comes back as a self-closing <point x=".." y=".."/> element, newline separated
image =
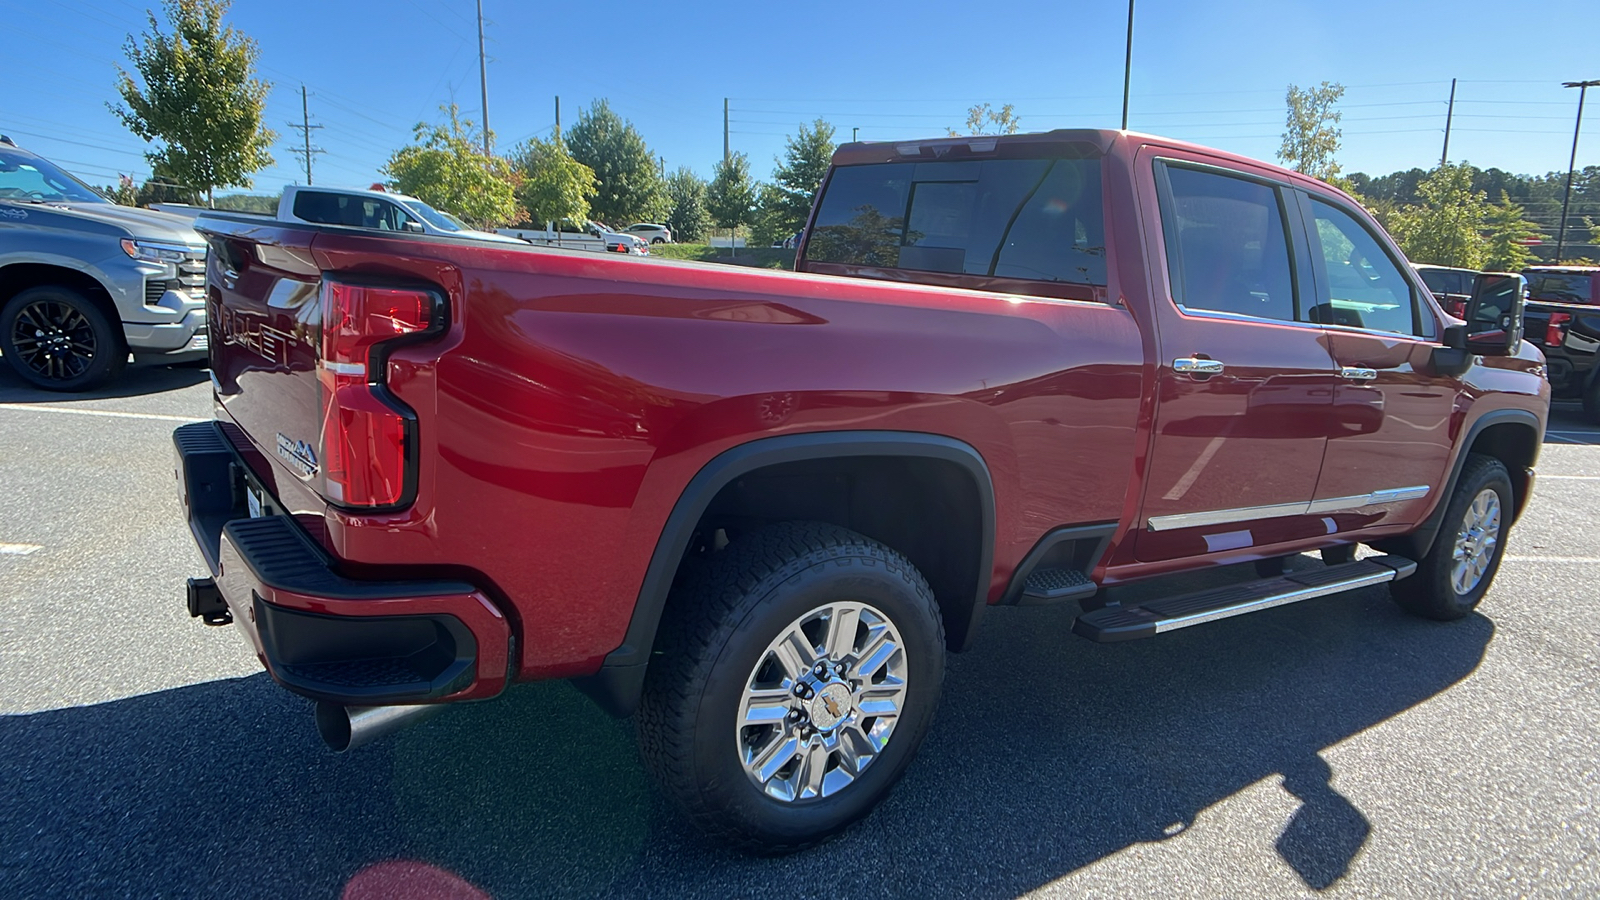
<point x="755" y="508"/>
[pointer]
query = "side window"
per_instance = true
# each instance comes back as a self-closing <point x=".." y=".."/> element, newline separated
<point x="318" y="207"/>
<point x="1227" y="245"/>
<point x="383" y="215"/>
<point x="1363" y="288"/>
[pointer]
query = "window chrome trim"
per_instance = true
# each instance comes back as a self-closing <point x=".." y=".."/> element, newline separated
<point x="1280" y="510"/>
<point x="1241" y="317"/>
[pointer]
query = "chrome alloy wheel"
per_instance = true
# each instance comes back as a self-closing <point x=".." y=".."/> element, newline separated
<point x="54" y="339"/>
<point x="822" y="702"/>
<point x="1476" y="541"/>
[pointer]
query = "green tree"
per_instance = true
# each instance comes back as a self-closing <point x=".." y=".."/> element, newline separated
<point x="1509" y="232"/>
<point x="554" y="185"/>
<point x="199" y="97"/>
<point x="630" y="188"/>
<point x="1444" y="229"/>
<point x="255" y="203"/>
<point x="770" y="222"/>
<point x="1311" y="132"/>
<point x="798" y="175"/>
<point x="446" y="168"/>
<point x="731" y="198"/>
<point x="981" y="119"/>
<point x="686" y="194"/>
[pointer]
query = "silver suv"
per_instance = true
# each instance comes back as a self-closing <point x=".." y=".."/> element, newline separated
<point x="85" y="282"/>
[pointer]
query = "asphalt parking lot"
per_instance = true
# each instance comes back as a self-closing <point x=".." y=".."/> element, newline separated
<point x="1333" y="747"/>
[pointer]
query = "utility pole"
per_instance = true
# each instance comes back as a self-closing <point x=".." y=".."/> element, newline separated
<point x="1444" y="158"/>
<point x="483" y="80"/>
<point x="725" y="153"/>
<point x="1561" y="233"/>
<point x="305" y="128"/>
<point x="853" y="133"/>
<point x="558" y="115"/>
<point x="1127" y="68"/>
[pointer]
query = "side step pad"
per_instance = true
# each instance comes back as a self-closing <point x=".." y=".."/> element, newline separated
<point x="1055" y="586"/>
<point x="1126" y="623"/>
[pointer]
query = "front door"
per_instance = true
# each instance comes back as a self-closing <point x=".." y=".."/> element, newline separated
<point x="1391" y="437"/>
<point x="1246" y="380"/>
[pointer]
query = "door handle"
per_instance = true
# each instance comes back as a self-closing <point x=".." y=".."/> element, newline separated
<point x="1357" y="373"/>
<point x="1198" y="367"/>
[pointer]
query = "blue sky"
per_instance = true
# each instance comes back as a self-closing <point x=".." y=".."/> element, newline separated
<point x="1212" y="72"/>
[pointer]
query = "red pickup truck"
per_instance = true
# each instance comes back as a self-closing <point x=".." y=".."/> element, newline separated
<point x="754" y="509"/>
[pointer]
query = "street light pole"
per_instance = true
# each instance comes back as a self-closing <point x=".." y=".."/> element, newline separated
<point x="1566" y="197"/>
<point x="1127" y="68"/>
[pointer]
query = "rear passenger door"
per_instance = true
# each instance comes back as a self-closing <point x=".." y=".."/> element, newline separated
<point x="1245" y="380"/>
<point x="1390" y="440"/>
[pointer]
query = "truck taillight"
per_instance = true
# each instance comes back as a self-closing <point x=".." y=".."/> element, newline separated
<point x="1555" y="334"/>
<point x="365" y="431"/>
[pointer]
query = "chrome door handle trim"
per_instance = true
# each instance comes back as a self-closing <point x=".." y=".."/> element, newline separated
<point x="1190" y="365"/>
<point x="1357" y="373"/>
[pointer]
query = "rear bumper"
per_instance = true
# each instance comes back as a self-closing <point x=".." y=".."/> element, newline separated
<point x="320" y="634"/>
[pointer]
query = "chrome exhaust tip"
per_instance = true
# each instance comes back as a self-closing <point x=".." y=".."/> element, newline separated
<point x="348" y="727"/>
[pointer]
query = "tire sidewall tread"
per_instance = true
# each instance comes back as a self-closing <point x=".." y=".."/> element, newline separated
<point x="111" y="356"/>
<point x="1429" y="592"/>
<point x="716" y="625"/>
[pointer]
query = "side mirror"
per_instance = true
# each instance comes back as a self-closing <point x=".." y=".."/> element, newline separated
<point x="412" y="226"/>
<point x="1494" y="314"/>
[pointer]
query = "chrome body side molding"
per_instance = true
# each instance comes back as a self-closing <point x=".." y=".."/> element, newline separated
<point x="1314" y="507"/>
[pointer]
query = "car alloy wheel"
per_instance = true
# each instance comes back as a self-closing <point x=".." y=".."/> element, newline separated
<point x="1476" y="541"/>
<point x="822" y="702"/>
<point x="54" y="339"/>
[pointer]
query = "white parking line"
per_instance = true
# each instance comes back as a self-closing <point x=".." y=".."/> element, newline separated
<point x="1569" y="477"/>
<point x="110" y="414"/>
<point x="1558" y="559"/>
<point x="18" y="549"/>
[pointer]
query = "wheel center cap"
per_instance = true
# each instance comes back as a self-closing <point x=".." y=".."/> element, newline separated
<point x="830" y="706"/>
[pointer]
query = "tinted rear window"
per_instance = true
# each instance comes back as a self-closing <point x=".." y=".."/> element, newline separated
<point x="1034" y="219"/>
<point x="1441" y="281"/>
<point x="1559" y="287"/>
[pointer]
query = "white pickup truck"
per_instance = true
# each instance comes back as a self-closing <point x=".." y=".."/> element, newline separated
<point x="383" y="210"/>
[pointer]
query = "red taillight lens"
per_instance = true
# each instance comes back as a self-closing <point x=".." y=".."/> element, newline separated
<point x="1555" y="334"/>
<point x="1457" y="308"/>
<point x="364" y="431"/>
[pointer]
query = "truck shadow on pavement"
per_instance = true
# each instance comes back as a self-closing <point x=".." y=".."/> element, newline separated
<point x="135" y="381"/>
<point x="1048" y="753"/>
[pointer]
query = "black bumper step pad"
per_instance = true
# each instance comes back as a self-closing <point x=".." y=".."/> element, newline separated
<point x="1056" y="585"/>
<point x="1120" y="623"/>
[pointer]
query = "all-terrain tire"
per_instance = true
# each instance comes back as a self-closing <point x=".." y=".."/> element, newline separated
<point x="716" y="630"/>
<point x="93" y="349"/>
<point x="1432" y="592"/>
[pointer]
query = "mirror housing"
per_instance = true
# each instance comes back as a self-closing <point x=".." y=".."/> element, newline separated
<point x="413" y="227"/>
<point x="1494" y="314"/>
<point x="1493" y="326"/>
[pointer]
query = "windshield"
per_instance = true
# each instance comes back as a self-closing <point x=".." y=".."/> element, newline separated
<point x="27" y="177"/>
<point x="431" y="216"/>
